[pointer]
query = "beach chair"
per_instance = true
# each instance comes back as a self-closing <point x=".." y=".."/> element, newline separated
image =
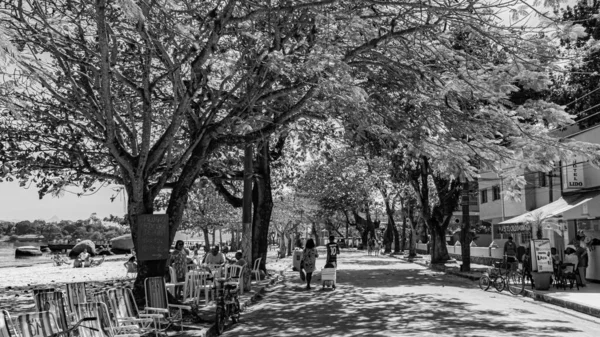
<point x="102" y="327"/>
<point x="197" y="285"/>
<point x="125" y="311"/>
<point x="235" y="273"/>
<point x="256" y="270"/>
<point x="54" y="302"/>
<point x="6" y="327"/>
<point x="76" y="294"/>
<point x="157" y="302"/>
<point x="43" y="324"/>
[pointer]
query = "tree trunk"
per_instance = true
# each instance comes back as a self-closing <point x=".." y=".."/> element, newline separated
<point x="282" y="246"/>
<point x="206" y="238"/>
<point x="403" y="234"/>
<point x="289" y="246"/>
<point x="263" y="204"/>
<point x="315" y="233"/>
<point x="388" y="235"/>
<point x="220" y="237"/>
<point x="465" y="230"/>
<point x="439" y="250"/>
<point x="396" y="239"/>
<point x="247" y="214"/>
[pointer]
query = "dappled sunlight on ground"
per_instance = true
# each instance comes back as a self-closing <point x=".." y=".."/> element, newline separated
<point x="378" y="296"/>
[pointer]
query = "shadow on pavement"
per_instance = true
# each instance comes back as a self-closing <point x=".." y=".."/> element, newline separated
<point x="355" y="308"/>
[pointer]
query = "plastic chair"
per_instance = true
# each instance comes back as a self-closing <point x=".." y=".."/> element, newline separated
<point x="255" y="270"/>
<point x="235" y="273"/>
<point x="157" y="302"/>
<point x="196" y="285"/>
<point x="171" y="286"/>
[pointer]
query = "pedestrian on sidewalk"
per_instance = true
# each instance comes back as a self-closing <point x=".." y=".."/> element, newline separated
<point x="582" y="255"/>
<point x="333" y="249"/>
<point x="309" y="259"/>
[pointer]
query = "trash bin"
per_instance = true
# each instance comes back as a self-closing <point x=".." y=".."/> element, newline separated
<point x="297" y="258"/>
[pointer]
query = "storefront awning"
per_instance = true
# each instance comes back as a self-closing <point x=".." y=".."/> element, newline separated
<point x="554" y="208"/>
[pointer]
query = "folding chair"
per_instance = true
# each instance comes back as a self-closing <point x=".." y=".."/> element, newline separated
<point x="76" y="294"/>
<point x="6" y="328"/>
<point x="157" y="301"/>
<point x="255" y="270"/>
<point x="125" y="311"/>
<point x="235" y="273"/>
<point x="54" y="302"/>
<point x="102" y="327"/>
<point x="43" y="324"/>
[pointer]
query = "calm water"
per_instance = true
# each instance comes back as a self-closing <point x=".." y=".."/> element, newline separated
<point x="7" y="255"/>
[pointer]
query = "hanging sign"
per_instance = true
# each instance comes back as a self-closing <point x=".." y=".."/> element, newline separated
<point x="513" y="228"/>
<point x="152" y="237"/>
<point x="574" y="178"/>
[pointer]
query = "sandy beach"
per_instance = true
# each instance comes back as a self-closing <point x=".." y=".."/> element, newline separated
<point x="17" y="283"/>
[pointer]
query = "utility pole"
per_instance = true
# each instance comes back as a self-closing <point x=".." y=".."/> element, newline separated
<point x="247" y="215"/>
<point x="550" y="186"/>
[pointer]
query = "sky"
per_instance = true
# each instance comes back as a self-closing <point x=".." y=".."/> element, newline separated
<point x="18" y="203"/>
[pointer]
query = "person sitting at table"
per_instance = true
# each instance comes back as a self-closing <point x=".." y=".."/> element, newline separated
<point x="239" y="260"/>
<point x="215" y="257"/>
<point x="571" y="257"/>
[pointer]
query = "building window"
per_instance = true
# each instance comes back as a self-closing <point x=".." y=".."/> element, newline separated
<point x="543" y="180"/>
<point x="525" y="237"/>
<point x="483" y="196"/>
<point x="496" y="193"/>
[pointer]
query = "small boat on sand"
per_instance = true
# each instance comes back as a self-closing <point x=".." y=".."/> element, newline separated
<point x="28" y="251"/>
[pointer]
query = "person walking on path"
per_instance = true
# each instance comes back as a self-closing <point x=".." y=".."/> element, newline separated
<point x="582" y="255"/>
<point x="510" y="251"/>
<point x="333" y="250"/>
<point x="309" y="258"/>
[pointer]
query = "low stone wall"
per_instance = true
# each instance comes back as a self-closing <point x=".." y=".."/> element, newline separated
<point x="488" y="261"/>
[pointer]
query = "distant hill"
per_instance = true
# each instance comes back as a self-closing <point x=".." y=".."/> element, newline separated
<point x="53" y="219"/>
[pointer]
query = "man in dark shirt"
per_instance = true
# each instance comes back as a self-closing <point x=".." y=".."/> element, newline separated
<point x="333" y="249"/>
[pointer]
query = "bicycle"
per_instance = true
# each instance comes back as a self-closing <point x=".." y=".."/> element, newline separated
<point x="228" y="304"/>
<point x="513" y="280"/>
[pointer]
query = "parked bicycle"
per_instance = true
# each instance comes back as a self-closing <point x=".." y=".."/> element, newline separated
<point x="502" y="276"/>
<point x="228" y="303"/>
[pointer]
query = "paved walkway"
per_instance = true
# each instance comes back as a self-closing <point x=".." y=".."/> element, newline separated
<point x="382" y="296"/>
<point x="585" y="300"/>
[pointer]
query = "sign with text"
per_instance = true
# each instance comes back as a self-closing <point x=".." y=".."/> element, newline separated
<point x="573" y="174"/>
<point x="152" y="237"/>
<point x="514" y="228"/>
<point x="541" y="256"/>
